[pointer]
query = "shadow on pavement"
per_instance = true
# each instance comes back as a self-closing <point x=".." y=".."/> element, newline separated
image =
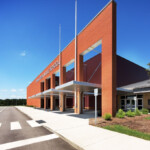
<point x="70" y="112"/>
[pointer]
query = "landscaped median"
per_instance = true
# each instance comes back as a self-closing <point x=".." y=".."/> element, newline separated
<point x="131" y="123"/>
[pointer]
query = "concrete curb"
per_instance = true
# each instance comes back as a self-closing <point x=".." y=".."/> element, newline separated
<point x="51" y="130"/>
<point x="23" y="113"/>
<point x="65" y="139"/>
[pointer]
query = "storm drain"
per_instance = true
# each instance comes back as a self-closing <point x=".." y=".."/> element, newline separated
<point x="40" y="121"/>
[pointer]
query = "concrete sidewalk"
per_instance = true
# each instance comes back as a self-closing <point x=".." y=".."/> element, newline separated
<point x="76" y="130"/>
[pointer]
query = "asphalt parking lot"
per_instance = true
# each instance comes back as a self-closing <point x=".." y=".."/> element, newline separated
<point x="19" y="132"/>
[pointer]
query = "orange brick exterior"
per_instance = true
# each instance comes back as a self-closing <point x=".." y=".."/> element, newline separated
<point x="102" y="27"/>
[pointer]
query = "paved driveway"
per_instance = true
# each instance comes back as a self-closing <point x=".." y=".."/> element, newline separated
<point x="76" y="129"/>
<point x="20" y="132"/>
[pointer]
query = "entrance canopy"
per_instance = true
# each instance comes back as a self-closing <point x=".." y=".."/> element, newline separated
<point x="139" y="87"/>
<point x="49" y="92"/>
<point x="79" y="86"/>
<point x="70" y="87"/>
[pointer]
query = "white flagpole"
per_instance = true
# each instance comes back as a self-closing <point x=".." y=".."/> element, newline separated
<point x="59" y="59"/>
<point x="75" y="40"/>
<point x="75" y="50"/>
<point x="59" y="53"/>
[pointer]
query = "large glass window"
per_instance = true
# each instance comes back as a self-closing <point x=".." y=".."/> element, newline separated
<point x="123" y="104"/>
<point x="139" y="96"/>
<point x="149" y="102"/>
<point x="140" y="103"/>
<point x="132" y="104"/>
<point x="128" y="102"/>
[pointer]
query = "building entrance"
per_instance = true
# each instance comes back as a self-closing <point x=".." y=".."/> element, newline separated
<point x="56" y="103"/>
<point x="131" y="102"/>
<point x="47" y="103"/>
<point x="42" y="102"/>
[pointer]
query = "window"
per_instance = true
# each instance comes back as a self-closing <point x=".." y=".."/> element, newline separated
<point x="122" y="102"/>
<point x="122" y="97"/>
<point x="140" y="103"/>
<point x="148" y="101"/>
<point x="139" y="96"/>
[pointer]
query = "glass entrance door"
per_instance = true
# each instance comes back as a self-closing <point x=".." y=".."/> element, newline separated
<point x="130" y="104"/>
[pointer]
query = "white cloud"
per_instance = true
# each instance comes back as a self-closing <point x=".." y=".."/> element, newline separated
<point x="21" y="90"/>
<point x="13" y="96"/>
<point x="12" y="93"/>
<point x="23" y="53"/>
<point x="17" y="96"/>
<point x="13" y="90"/>
<point x="3" y="90"/>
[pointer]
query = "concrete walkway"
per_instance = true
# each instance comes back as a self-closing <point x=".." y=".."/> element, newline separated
<point x="76" y="130"/>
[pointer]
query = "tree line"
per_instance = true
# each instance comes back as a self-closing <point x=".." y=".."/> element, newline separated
<point x="12" y="102"/>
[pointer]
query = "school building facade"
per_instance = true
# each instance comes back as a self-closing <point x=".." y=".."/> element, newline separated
<point x="121" y="83"/>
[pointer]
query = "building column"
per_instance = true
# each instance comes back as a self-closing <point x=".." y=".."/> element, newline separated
<point x="125" y="103"/>
<point x="44" y="102"/>
<point x="52" y="102"/>
<point x="62" y="102"/>
<point x="79" y="95"/>
<point x="62" y="95"/>
<point x="109" y="66"/>
<point x="135" y="102"/>
<point x="45" y="88"/>
<point x="79" y="108"/>
<point x="52" y="99"/>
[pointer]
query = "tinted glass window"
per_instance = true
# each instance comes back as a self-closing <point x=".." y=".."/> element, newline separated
<point x="122" y="102"/>
<point x="149" y="102"/>
<point x="122" y="97"/>
<point x="140" y="96"/>
<point x="140" y="102"/>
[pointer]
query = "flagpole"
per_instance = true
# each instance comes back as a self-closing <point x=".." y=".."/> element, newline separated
<point x="59" y="60"/>
<point x="75" y="50"/>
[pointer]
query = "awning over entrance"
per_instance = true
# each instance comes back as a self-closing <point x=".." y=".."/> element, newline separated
<point x="70" y="87"/>
<point x="139" y="87"/>
<point x="123" y="91"/>
<point x="80" y="86"/>
<point x="49" y="92"/>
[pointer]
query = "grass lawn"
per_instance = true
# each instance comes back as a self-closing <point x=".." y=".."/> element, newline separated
<point x="148" y="118"/>
<point x="128" y="131"/>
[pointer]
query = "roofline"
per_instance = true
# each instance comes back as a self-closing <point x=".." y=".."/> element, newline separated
<point x="131" y="61"/>
<point x="78" y="34"/>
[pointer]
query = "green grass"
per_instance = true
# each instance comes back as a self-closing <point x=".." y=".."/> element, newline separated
<point x="147" y="118"/>
<point x="128" y="131"/>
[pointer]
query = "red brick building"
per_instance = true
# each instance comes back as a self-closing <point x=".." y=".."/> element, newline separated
<point x="106" y="71"/>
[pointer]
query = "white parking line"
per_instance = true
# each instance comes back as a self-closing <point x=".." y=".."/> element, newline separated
<point x="0" y="124"/>
<point x="27" y="142"/>
<point x="15" y="126"/>
<point x="33" y="123"/>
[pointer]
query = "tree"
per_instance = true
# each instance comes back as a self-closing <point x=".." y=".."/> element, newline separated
<point x="148" y="70"/>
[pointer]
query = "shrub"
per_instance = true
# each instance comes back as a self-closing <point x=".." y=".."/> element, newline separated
<point x="107" y="116"/>
<point x="130" y="113"/>
<point x="120" y="114"/>
<point x="137" y="112"/>
<point x="145" y="111"/>
<point x="29" y="105"/>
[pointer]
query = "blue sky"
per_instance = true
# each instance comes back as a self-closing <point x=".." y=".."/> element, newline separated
<point x="29" y="35"/>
